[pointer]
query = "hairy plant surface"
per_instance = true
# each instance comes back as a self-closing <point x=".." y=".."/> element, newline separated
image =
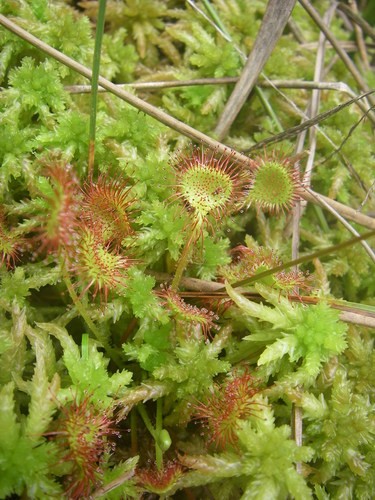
<point x="131" y="363"/>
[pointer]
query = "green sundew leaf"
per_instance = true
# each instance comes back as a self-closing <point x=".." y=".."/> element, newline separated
<point x="9" y="427"/>
<point x="215" y="254"/>
<point x="269" y="459"/>
<point x="89" y="374"/>
<point x="194" y="365"/>
<point x="163" y="230"/>
<point x="260" y="311"/>
<point x="278" y="349"/>
<point x="37" y="88"/>
<point x="22" y="464"/>
<point x="13" y="360"/>
<point x="144" y="302"/>
<point x="122" y="57"/>
<point x="121" y="478"/>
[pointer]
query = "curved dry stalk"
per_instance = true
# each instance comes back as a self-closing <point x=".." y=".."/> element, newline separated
<point x="366" y="27"/>
<point x="346" y="45"/>
<point x="166" y="84"/>
<point x="202" y="289"/>
<point x="292" y="131"/>
<point x="273" y="24"/>
<point x="365" y="245"/>
<point x="340" y="52"/>
<point x="344" y="210"/>
<point x="315" y="97"/>
<point x="359" y="38"/>
<point x="296" y="424"/>
<point x="357" y="319"/>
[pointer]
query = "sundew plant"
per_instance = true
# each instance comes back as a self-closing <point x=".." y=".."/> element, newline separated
<point x="186" y="220"/>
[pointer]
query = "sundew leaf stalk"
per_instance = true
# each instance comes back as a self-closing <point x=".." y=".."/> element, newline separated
<point x="210" y="188"/>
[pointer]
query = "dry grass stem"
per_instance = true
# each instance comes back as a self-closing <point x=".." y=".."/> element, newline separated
<point x="273" y="24"/>
<point x="341" y="53"/>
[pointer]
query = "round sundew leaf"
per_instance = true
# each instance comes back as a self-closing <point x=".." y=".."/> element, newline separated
<point x="206" y="189"/>
<point x="210" y="187"/>
<point x="275" y="185"/>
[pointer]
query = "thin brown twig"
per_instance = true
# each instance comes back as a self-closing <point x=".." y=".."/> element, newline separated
<point x="113" y="484"/>
<point x="296" y="30"/>
<point x="313" y="13"/>
<point x="222" y="31"/>
<point x="292" y="131"/>
<point x="315" y="97"/>
<point x="201" y="289"/>
<point x="273" y="24"/>
<point x="328" y="207"/>
<point x="357" y="319"/>
<point x="297" y="412"/>
<point x="359" y="37"/>
<point x="344" y="210"/>
<point x="157" y="85"/>
<point x="346" y="45"/>
<point x="366" y="27"/>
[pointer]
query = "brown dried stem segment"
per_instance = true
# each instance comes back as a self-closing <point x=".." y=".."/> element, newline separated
<point x="274" y="21"/>
<point x="340" y="52"/>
